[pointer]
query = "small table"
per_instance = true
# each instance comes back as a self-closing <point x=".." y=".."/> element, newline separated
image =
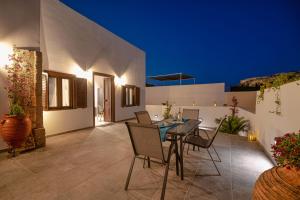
<point x="181" y="130"/>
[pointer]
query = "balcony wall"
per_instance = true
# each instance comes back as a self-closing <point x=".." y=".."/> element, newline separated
<point x="183" y="95"/>
<point x="269" y="125"/>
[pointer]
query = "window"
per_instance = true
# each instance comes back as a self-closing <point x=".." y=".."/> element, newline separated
<point x="59" y="94"/>
<point x="130" y="96"/>
<point x="63" y="91"/>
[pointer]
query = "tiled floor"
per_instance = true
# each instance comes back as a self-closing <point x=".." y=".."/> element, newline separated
<point x="93" y="164"/>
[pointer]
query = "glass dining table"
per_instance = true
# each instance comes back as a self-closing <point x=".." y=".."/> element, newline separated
<point x="177" y="133"/>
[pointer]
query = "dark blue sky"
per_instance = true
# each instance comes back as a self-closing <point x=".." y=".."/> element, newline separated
<point x="213" y="40"/>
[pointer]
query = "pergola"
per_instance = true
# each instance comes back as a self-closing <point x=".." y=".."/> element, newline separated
<point x="173" y="77"/>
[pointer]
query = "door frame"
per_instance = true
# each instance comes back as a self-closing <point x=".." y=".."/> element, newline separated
<point x="112" y="101"/>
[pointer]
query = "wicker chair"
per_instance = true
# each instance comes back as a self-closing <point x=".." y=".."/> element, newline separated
<point x="145" y="140"/>
<point x="201" y="142"/>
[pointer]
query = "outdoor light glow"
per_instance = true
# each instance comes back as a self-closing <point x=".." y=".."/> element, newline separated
<point x="120" y="81"/>
<point x="80" y="73"/>
<point x="5" y="51"/>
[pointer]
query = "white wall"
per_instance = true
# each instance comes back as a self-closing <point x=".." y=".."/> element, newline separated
<point x="20" y="26"/>
<point x="200" y="94"/>
<point x="269" y="125"/>
<point x="246" y="100"/>
<point x="72" y="44"/>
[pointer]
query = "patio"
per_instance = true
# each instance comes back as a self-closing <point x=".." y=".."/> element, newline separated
<point x="93" y="164"/>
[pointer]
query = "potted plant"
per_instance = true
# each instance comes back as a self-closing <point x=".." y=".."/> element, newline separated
<point x="282" y="181"/>
<point x="233" y="124"/>
<point x="167" y="110"/>
<point x="16" y="125"/>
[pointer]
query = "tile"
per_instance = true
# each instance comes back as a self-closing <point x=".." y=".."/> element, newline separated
<point x="94" y="163"/>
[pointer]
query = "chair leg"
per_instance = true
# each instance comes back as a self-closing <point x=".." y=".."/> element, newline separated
<point x="144" y="161"/>
<point x="162" y="197"/>
<point x="216" y="153"/>
<point x="219" y="174"/>
<point x="129" y="173"/>
<point x="187" y="152"/>
<point x="148" y="162"/>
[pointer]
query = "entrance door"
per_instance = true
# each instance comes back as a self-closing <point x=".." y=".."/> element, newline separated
<point x="107" y="99"/>
<point x="104" y="98"/>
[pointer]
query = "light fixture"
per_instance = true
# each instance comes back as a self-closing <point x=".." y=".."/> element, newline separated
<point x="120" y="81"/>
<point x="80" y="73"/>
<point x="251" y="136"/>
<point x="5" y="51"/>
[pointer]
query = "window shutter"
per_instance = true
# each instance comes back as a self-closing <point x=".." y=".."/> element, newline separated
<point x="123" y="98"/>
<point x="80" y="93"/>
<point x="137" y="96"/>
<point x="44" y="91"/>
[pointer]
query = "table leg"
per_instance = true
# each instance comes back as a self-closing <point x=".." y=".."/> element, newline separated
<point x="177" y="156"/>
<point x="181" y="156"/>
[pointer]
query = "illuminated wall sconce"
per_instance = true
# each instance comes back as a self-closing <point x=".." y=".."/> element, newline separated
<point x="215" y="104"/>
<point x="120" y="81"/>
<point x="5" y="51"/>
<point x="80" y="73"/>
<point x="251" y="136"/>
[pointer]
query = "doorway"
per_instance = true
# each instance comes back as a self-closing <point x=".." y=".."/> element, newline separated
<point x="103" y="98"/>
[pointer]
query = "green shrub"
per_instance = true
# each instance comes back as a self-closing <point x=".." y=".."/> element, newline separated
<point x="16" y="109"/>
<point x="234" y="124"/>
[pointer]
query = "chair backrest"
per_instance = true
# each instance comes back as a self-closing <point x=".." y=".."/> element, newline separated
<point x="190" y="113"/>
<point x="143" y="117"/>
<point x="216" y="132"/>
<point x="145" y="140"/>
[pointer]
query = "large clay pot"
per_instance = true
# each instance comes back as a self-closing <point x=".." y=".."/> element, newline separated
<point x="14" y="130"/>
<point x="278" y="183"/>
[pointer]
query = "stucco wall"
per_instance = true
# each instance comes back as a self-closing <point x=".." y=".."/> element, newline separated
<point x="19" y="26"/>
<point x="70" y="43"/>
<point x="188" y="95"/>
<point x="73" y="44"/>
<point x="246" y="100"/>
<point x="269" y="125"/>
<point x="20" y="22"/>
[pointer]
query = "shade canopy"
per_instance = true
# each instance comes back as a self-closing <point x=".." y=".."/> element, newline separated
<point x="172" y="77"/>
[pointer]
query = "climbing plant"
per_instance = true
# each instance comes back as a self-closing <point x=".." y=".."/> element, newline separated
<point x="274" y="84"/>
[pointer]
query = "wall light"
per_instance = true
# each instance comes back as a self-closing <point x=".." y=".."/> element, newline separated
<point x="80" y="73"/>
<point x="5" y="51"/>
<point x="120" y="81"/>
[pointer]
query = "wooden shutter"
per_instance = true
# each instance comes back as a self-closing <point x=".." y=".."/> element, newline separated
<point x="137" y="96"/>
<point x="45" y="91"/>
<point x="123" y="96"/>
<point x="80" y="94"/>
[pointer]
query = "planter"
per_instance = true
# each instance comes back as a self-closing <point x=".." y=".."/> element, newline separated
<point x="14" y="130"/>
<point x="278" y="183"/>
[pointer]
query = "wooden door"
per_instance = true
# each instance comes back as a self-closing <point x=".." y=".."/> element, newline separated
<point x="107" y="99"/>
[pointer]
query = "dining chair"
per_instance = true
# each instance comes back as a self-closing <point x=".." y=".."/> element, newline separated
<point x="201" y="142"/>
<point x="190" y="113"/>
<point x="146" y="141"/>
<point x="143" y="117"/>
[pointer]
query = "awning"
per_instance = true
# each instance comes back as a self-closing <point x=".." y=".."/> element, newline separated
<point x="172" y="77"/>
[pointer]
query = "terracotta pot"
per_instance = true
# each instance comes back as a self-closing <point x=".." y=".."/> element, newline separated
<point x="14" y="130"/>
<point x="278" y="183"/>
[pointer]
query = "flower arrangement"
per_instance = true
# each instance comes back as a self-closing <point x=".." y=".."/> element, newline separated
<point x="20" y="83"/>
<point x="286" y="150"/>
